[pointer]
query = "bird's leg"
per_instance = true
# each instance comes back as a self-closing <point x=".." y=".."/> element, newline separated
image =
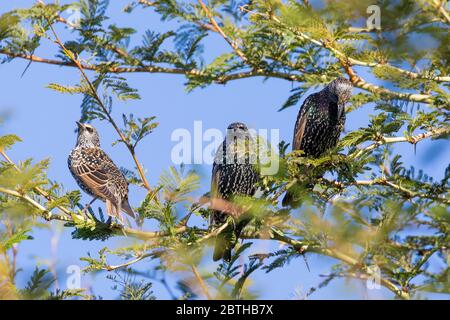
<point x="115" y="221"/>
<point x="123" y="232"/>
<point x="86" y="207"/>
<point x="233" y="223"/>
<point x="118" y="223"/>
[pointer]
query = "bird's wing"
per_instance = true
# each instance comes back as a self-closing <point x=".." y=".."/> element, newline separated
<point x="100" y="174"/>
<point x="215" y="181"/>
<point x="300" y="125"/>
<point x="217" y="164"/>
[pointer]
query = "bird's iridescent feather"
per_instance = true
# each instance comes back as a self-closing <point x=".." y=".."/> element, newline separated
<point x="320" y="121"/>
<point x="233" y="174"/>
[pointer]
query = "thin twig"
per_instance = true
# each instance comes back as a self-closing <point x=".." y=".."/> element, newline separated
<point x="440" y="6"/>
<point x="355" y="263"/>
<point x="213" y="233"/>
<point x="205" y="26"/>
<point x="147" y="3"/>
<point x="126" y="264"/>
<point x="104" y="109"/>
<point x="45" y="213"/>
<point x="222" y="33"/>
<point x="363" y="84"/>
<point x="384" y="182"/>
<point x="201" y="282"/>
<point x="220" y="79"/>
<point x="37" y="189"/>
<point x="303" y="247"/>
<point x="273" y="235"/>
<point x="433" y="133"/>
<point x="352" y="61"/>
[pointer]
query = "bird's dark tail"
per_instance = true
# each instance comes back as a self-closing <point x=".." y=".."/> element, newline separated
<point x="287" y="200"/>
<point x="114" y="211"/>
<point x="290" y="200"/>
<point x="127" y="208"/>
<point x="228" y="238"/>
<point x="294" y="198"/>
<point x="223" y="246"/>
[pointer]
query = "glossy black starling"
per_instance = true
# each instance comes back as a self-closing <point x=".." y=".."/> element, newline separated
<point x="321" y="120"/>
<point x="233" y="174"/>
<point x="96" y="173"/>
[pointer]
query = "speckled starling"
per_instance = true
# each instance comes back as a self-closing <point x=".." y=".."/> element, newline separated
<point x="233" y="174"/>
<point x="321" y="120"/>
<point x="96" y="173"/>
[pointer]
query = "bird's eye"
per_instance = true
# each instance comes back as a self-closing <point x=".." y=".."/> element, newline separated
<point x="89" y="129"/>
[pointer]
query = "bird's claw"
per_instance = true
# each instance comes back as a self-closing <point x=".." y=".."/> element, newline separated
<point x="84" y="211"/>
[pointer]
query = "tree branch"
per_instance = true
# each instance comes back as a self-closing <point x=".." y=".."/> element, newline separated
<point x="201" y="282"/>
<point x="303" y="247"/>
<point x="105" y="110"/>
<point x="147" y="3"/>
<point x="413" y="140"/>
<point x="129" y="263"/>
<point x="355" y="263"/>
<point x="362" y="84"/>
<point x="440" y="6"/>
<point x="37" y="189"/>
<point x="47" y="215"/>
<point x="352" y="61"/>
<point x="274" y="234"/>
<point x="220" y="31"/>
<point x="384" y="182"/>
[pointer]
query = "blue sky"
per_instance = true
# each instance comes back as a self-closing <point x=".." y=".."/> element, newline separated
<point x="45" y="120"/>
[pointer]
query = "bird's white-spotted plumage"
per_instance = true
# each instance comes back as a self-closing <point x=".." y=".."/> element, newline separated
<point x="96" y="173"/>
<point x="233" y="174"/>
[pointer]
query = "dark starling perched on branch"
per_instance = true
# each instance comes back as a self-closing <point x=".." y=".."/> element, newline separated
<point x="96" y="173"/>
<point x="233" y="174"/>
<point x="320" y="121"/>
